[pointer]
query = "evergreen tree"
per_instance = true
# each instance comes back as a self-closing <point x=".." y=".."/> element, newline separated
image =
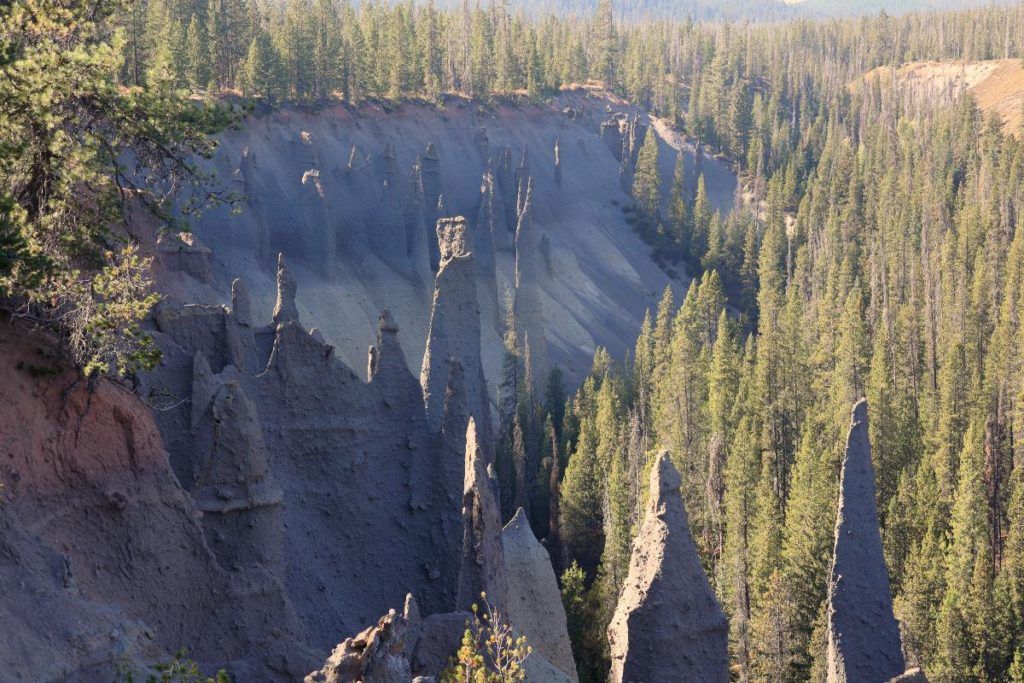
<point x="647" y="179"/>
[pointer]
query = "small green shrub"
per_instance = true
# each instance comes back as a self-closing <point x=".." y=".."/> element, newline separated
<point x="490" y="652"/>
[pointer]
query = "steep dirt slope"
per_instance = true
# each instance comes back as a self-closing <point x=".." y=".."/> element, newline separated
<point x="997" y="85"/>
<point x="357" y="226"/>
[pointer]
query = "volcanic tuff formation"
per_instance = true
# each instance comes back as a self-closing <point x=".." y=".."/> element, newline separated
<point x="667" y="625"/>
<point x="455" y="329"/>
<point x="482" y="569"/>
<point x="533" y="604"/>
<point x="863" y="637"/>
<point x="103" y="558"/>
<point x="359" y="235"/>
<point x="298" y="448"/>
<point x="243" y="519"/>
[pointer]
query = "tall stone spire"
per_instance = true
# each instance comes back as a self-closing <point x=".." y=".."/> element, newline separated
<point x="386" y="356"/>
<point x="667" y="625"/>
<point x="455" y="330"/>
<point x="482" y="569"/>
<point x="285" y="309"/>
<point x="863" y="637"/>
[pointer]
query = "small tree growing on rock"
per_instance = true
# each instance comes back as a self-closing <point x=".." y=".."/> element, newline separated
<point x="490" y="652"/>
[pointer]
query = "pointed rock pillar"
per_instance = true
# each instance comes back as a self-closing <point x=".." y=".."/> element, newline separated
<point x="534" y="604"/>
<point x="482" y="568"/>
<point x="387" y="356"/>
<point x="285" y="309"/>
<point x="455" y="331"/>
<point x="863" y="637"/>
<point x="667" y="625"/>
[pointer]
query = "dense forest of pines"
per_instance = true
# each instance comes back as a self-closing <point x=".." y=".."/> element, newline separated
<point x="878" y="255"/>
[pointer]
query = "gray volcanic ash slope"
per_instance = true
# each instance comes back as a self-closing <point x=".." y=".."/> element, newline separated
<point x="336" y="192"/>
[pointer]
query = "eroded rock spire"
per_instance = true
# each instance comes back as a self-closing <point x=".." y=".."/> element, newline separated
<point x="533" y="605"/>
<point x="667" y="625"/>
<point x="455" y="330"/>
<point x="482" y="569"/>
<point x="233" y="485"/>
<point x="863" y="637"/>
<point x="387" y="355"/>
<point x="285" y="309"/>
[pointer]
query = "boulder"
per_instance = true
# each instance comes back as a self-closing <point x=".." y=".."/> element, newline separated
<point x="667" y="625"/>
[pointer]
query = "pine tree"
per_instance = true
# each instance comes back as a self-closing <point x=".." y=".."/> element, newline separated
<point x="198" y="55"/>
<point x="647" y="179"/>
<point x="606" y="44"/>
<point x="807" y="543"/>
<point x="701" y="221"/>
<point x="261" y="71"/>
<point x="678" y="214"/>
<point x="581" y="501"/>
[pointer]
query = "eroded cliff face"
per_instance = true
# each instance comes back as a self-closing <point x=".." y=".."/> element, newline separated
<point x="335" y="482"/>
<point x="351" y="196"/>
<point x="103" y="557"/>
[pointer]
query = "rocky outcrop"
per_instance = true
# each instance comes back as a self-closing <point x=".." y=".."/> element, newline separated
<point x="534" y="605"/>
<point x="611" y="134"/>
<point x="667" y="625"/>
<point x="482" y="569"/>
<point x="455" y="331"/>
<point x="484" y="237"/>
<point x="914" y="675"/>
<point x="380" y="654"/>
<point x="285" y="309"/>
<point x="184" y="252"/>
<point x="863" y="637"/>
<point x="233" y="486"/>
<point x="429" y="172"/>
<point x="211" y="330"/>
